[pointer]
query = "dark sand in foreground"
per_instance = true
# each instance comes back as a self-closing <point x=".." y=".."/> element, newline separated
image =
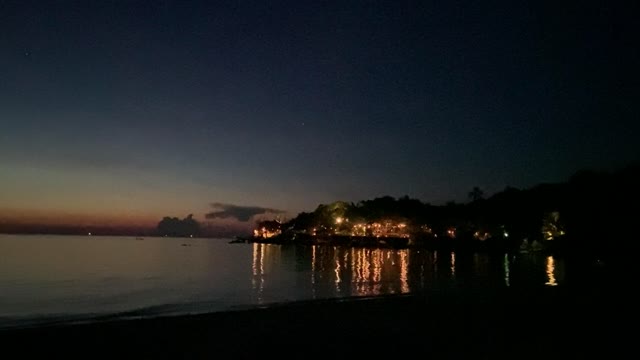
<point x="541" y="323"/>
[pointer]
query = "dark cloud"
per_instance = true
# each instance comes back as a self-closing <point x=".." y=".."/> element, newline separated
<point x="241" y="213"/>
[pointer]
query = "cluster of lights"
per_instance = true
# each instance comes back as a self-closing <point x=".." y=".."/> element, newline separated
<point x="550" y="235"/>
<point x="265" y="233"/>
<point x="389" y="229"/>
<point x="451" y="233"/>
<point x="385" y="229"/>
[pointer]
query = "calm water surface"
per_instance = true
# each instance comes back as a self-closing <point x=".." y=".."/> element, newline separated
<point x="45" y="278"/>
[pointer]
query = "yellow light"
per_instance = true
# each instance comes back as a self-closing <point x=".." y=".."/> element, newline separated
<point x="339" y="220"/>
<point x="551" y="267"/>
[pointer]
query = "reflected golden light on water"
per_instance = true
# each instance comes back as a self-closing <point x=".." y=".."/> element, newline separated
<point x="370" y="272"/>
<point x="404" y="272"/>
<point x="337" y="271"/>
<point x="257" y="267"/>
<point x="254" y="265"/>
<point x="378" y="261"/>
<point x="262" y="250"/>
<point x="366" y="265"/>
<point x="551" y="268"/>
<point x="377" y="266"/>
<point x="362" y="272"/>
<point x="368" y="268"/>
<point x="355" y="275"/>
<point x="355" y="269"/>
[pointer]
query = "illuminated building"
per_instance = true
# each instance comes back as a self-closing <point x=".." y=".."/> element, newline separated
<point x="268" y="229"/>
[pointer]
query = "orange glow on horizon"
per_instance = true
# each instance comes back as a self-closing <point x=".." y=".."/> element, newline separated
<point x="27" y="217"/>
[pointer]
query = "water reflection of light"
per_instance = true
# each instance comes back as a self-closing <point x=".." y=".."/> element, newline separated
<point x="378" y="261"/>
<point x="254" y="264"/>
<point x="377" y="266"/>
<point x="355" y="267"/>
<point x="366" y="265"/>
<point x="506" y="270"/>
<point x="257" y="267"/>
<point x="355" y="270"/>
<point x="362" y="271"/>
<point x="337" y="271"/>
<point x="551" y="267"/>
<point x="262" y="250"/>
<point x="453" y="264"/>
<point x="404" y="271"/>
<point x="368" y="268"/>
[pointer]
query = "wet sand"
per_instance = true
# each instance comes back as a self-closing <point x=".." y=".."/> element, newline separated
<point x="543" y="323"/>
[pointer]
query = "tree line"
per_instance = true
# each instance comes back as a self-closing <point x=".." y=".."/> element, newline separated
<point x="592" y="213"/>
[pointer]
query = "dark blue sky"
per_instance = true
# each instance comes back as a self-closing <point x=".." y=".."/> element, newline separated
<point x="162" y="107"/>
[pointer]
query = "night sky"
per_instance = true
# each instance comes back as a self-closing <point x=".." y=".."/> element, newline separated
<point x="125" y="111"/>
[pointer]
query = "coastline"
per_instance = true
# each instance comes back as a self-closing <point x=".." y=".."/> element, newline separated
<point x="525" y="323"/>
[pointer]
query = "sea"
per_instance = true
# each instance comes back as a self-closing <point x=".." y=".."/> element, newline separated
<point x="53" y="279"/>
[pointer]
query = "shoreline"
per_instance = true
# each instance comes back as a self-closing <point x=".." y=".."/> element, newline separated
<point x="144" y="314"/>
<point x="447" y="323"/>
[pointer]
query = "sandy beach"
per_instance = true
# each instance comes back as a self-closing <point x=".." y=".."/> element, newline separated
<point x="542" y="323"/>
